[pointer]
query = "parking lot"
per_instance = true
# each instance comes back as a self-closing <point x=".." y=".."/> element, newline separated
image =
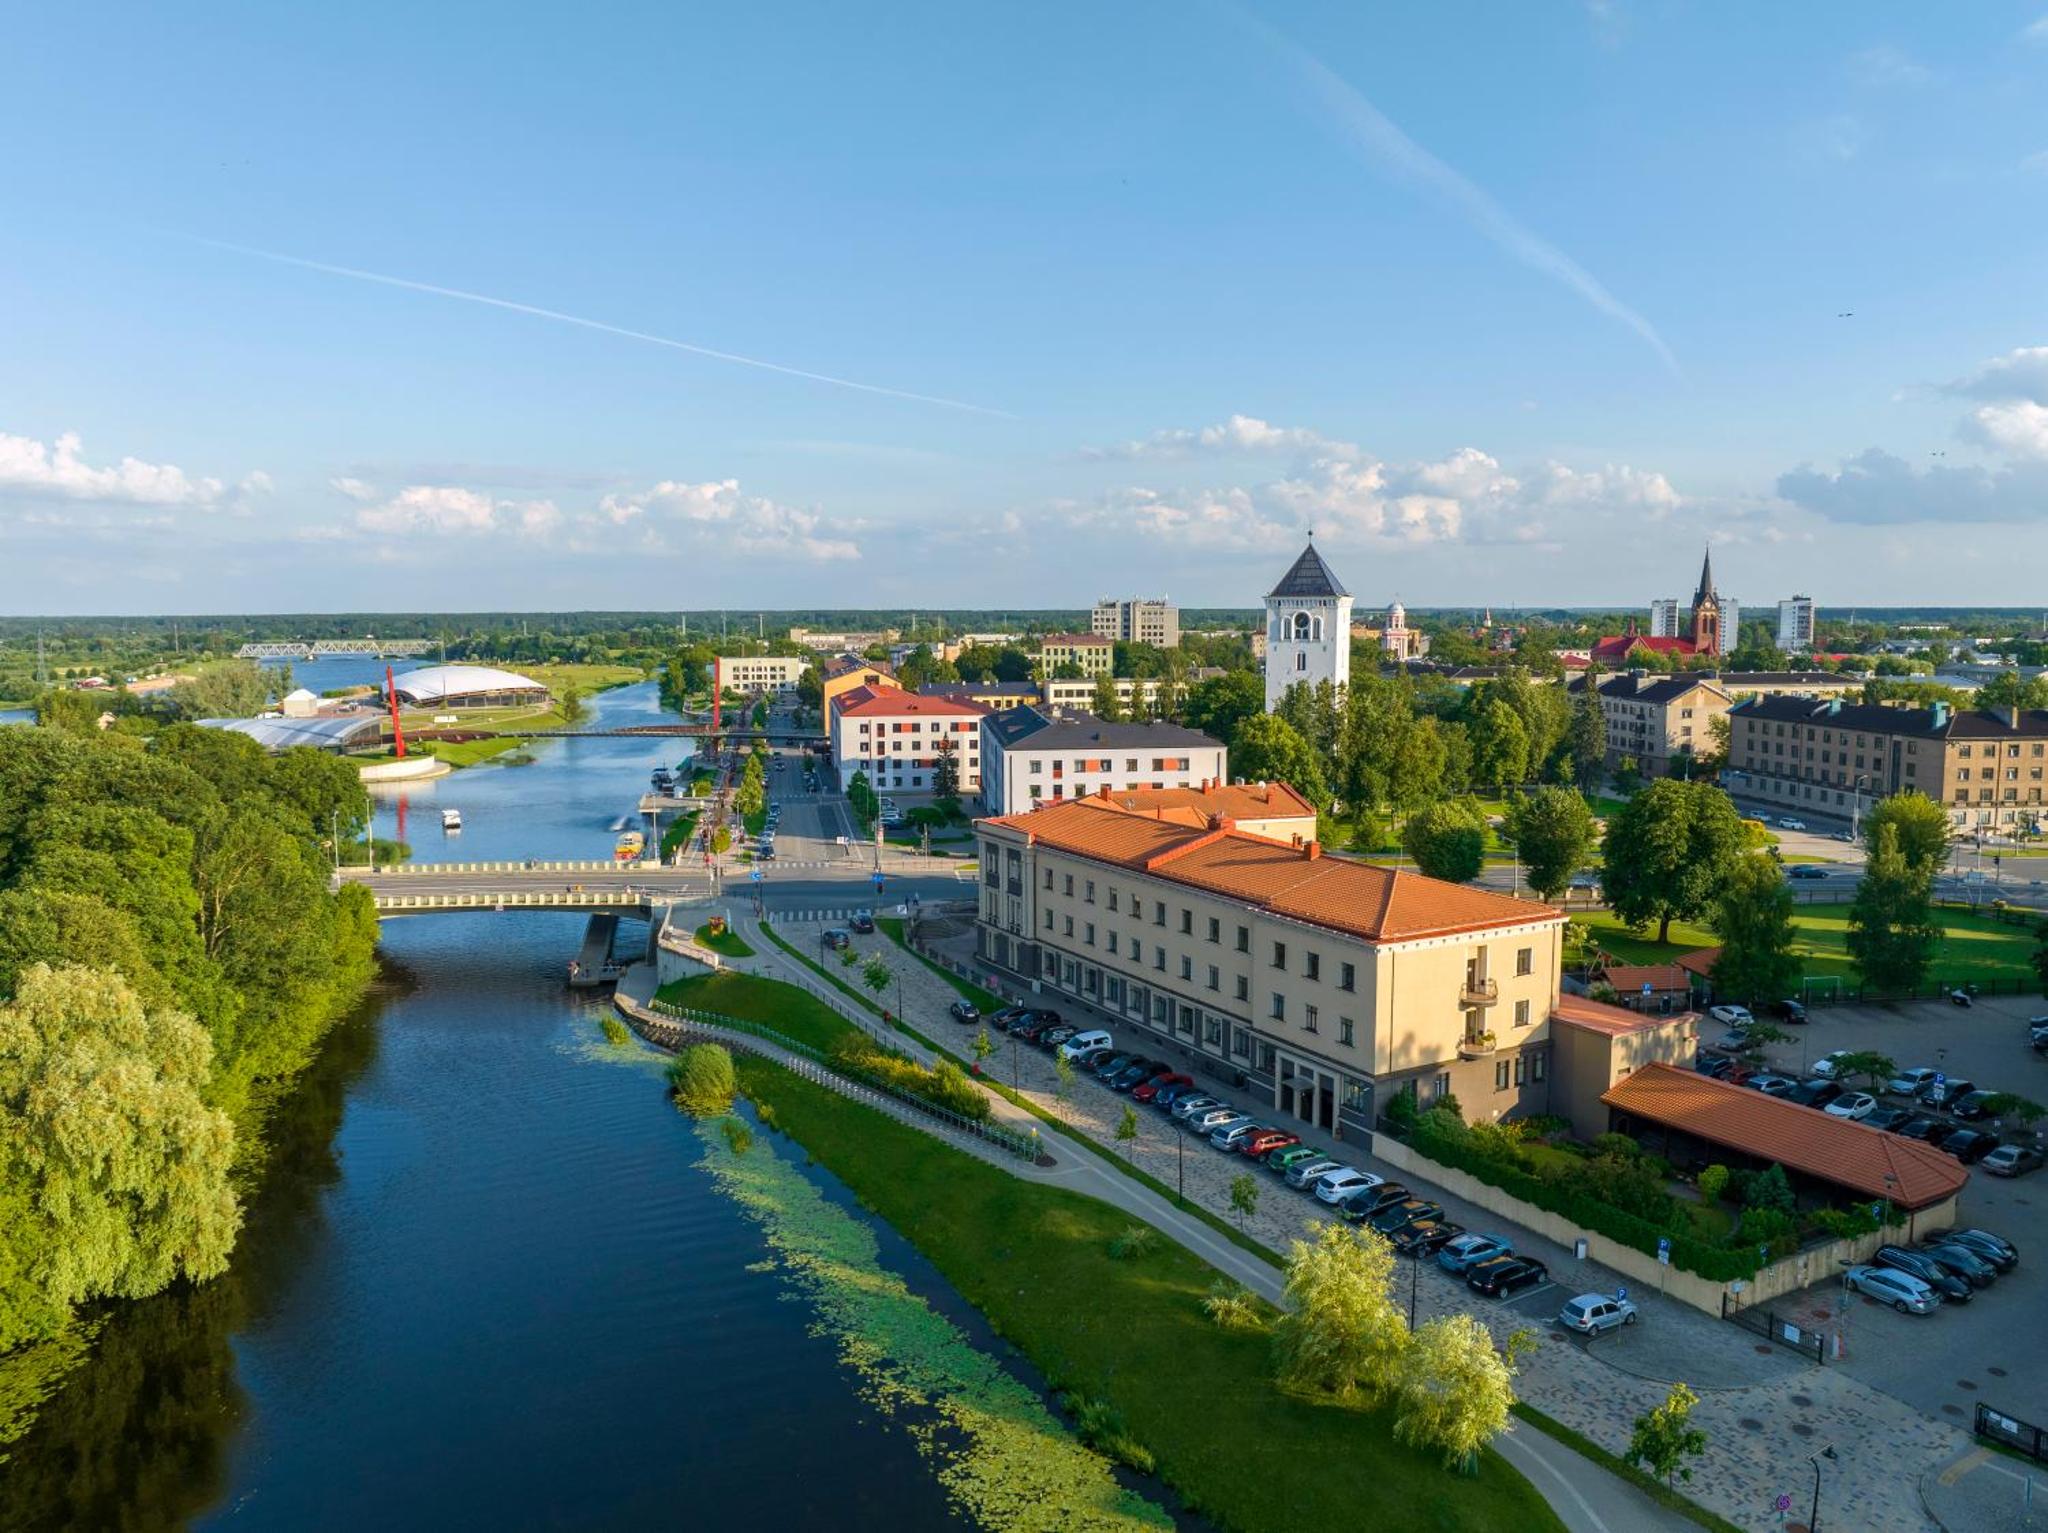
<point x="1993" y="1349"/>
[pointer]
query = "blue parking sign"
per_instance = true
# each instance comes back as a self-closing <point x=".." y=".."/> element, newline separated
<point x="1620" y="1294"/>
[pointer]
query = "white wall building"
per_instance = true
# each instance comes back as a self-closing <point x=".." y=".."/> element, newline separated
<point x="1308" y="629"/>
<point x="1795" y="625"/>
<point x="1031" y="756"/>
<point x="897" y="737"/>
<point x="1664" y="619"/>
<point x="760" y="673"/>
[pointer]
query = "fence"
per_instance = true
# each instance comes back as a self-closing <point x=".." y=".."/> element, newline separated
<point x="1773" y="1326"/>
<point x="2020" y="1436"/>
<point x="839" y="1077"/>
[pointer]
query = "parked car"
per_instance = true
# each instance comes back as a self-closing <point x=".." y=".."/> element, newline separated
<point x="1806" y="870"/>
<point x="1854" y="1105"/>
<point x="1591" y="1313"/>
<point x="1209" y="1119"/>
<point x="1009" y="1017"/>
<point x="1132" y="1076"/>
<point x="1266" y="1141"/>
<point x="1996" y="1249"/>
<point x="1789" y="1010"/>
<point x="1187" y="1106"/>
<point x="1945" y="1093"/>
<point x="1410" y="1210"/>
<point x="1361" y="1206"/>
<point x="1927" y="1270"/>
<point x="1333" y="1187"/>
<point x="1087" y="1042"/>
<point x="1791" y="822"/>
<point x="1091" y="1059"/>
<point x="1930" y="1130"/>
<point x="1148" y="1091"/>
<point x="1716" y="1065"/>
<point x="1168" y="1092"/>
<point x="1505" y="1275"/>
<point x="863" y="921"/>
<point x="1281" y="1162"/>
<point x="1227" y="1134"/>
<point x="1111" y="1063"/>
<point x="1901" y="1290"/>
<point x="1907" y="1083"/>
<point x="1310" y="1171"/>
<point x="2011" y="1160"/>
<point x="1734" y="1041"/>
<point x="1974" y="1107"/>
<point x="1823" y="1068"/>
<point x="1468" y="1251"/>
<point x="836" y="937"/>
<point x="1055" y="1037"/>
<point x="1731" y="1016"/>
<point x="1423" y="1237"/>
<point x="1887" y="1118"/>
<point x="1969" y="1145"/>
<point x="1814" y="1093"/>
<point x="964" y="1010"/>
<point x="1962" y="1261"/>
<point x="1770" y="1085"/>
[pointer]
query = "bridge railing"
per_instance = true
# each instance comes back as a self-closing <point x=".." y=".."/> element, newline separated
<point x="521" y="865"/>
<point x="1023" y="1146"/>
<point x="515" y="899"/>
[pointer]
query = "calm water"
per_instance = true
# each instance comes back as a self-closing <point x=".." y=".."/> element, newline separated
<point x="485" y="1285"/>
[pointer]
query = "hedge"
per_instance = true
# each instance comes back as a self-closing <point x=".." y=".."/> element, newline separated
<point x="1717" y="1264"/>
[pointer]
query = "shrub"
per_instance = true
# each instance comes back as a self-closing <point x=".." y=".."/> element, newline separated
<point x="1616" y="1144"/>
<point x="1233" y="1307"/>
<point x="1713" y="1183"/>
<point x="1845" y="1223"/>
<point x="1101" y="1426"/>
<point x="1501" y="1142"/>
<point x="1769" y="1190"/>
<point x="1770" y="1227"/>
<point x="616" y="1032"/>
<point x="703" y="1079"/>
<point x="1136" y="1240"/>
<point x="1401" y="1114"/>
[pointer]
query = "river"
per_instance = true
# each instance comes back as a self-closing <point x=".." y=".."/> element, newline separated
<point x="487" y="1282"/>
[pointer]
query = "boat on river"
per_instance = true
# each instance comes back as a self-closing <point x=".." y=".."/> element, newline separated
<point x="451" y="819"/>
<point x="629" y="847"/>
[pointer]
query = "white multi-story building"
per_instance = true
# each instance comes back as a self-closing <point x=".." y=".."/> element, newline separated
<point x="898" y="737"/>
<point x="1308" y="629"/>
<point x="1795" y="625"/>
<point x="759" y="673"/>
<point x="1665" y="619"/>
<point x="1031" y="756"/>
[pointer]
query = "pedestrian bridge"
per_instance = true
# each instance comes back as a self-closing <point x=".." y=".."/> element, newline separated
<point x="643" y="902"/>
<point x="430" y="888"/>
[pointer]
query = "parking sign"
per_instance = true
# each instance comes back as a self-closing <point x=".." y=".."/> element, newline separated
<point x="1663" y="1252"/>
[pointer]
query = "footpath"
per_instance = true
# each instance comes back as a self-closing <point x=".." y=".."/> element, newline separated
<point x="1766" y="1411"/>
<point x="1586" y="1497"/>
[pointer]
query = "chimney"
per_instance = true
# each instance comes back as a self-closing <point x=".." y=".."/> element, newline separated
<point x="2012" y="715"/>
<point x="1314" y="850"/>
<point x="1103" y="792"/>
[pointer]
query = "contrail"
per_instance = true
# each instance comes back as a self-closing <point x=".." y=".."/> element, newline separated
<point x="595" y="324"/>
<point x="1383" y="142"/>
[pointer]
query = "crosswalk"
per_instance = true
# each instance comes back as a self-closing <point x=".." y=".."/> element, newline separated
<point x="837" y="916"/>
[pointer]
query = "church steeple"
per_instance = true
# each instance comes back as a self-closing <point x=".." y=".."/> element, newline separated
<point x="1706" y="588"/>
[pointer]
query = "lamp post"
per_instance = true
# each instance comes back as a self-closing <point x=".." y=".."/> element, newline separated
<point x="1414" y="1281"/>
<point x="1813" y="1516"/>
<point x="1856" y="808"/>
<point x="1180" y="1159"/>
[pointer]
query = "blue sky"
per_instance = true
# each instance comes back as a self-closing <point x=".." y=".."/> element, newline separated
<point x="1518" y="303"/>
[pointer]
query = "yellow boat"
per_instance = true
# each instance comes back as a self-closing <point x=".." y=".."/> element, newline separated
<point x="629" y="847"/>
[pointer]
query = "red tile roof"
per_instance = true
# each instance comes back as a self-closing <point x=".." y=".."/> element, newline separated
<point x="1629" y="978"/>
<point x="1867" y="1161"/>
<point x="1361" y="899"/>
<point x="1619" y="646"/>
<point x="1599" y="1017"/>
<point x="1192" y="807"/>
<point x="868" y="702"/>
<point x="1699" y="961"/>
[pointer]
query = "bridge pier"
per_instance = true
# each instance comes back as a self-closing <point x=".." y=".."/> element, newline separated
<point x="593" y="965"/>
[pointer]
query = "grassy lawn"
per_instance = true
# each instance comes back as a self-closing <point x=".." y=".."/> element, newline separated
<point x="1649" y="1484"/>
<point x="769" y="1002"/>
<point x="678" y="835"/>
<point x="1036" y="1261"/>
<point x="728" y="942"/>
<point x="1974" y="947"/>
<point x="987" y="1000"/>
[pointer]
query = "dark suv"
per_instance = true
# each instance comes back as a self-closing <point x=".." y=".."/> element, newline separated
<point x="1927" y="1270"/>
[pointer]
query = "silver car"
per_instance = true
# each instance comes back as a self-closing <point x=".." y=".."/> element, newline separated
<point x="1311" y="1171"/>
<point x="1188" y="1106"/>
<point x="1591" y="1313"/>
<point x="1901" y="1290"/>
<point x="1226" y="1134"/>
<point x="1210" y="1118"/>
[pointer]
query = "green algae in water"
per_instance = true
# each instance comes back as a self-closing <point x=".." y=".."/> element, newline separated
<point x="1020" y="1470"/>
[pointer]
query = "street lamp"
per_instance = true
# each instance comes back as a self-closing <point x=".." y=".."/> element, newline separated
<point x="1856" y="808"/>
<point x="1813" y="1517"/>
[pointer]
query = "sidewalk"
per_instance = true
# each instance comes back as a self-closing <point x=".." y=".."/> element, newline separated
<point x="1985" y="1492"/>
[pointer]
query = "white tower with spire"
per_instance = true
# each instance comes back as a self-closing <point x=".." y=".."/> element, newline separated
<point x="1308" y="628"/>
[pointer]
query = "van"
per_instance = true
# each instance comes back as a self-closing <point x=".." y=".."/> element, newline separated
<point x="1082" y="1043"/>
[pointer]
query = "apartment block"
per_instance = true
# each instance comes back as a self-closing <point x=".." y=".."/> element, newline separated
<point x="1095" y="655"/>
<point x="1137" y="619"/>
<point x="760" y="673"/>
<point x="897" y="738"/>
<point x="1042" y="755"/>
<point x="1661" y="721"/>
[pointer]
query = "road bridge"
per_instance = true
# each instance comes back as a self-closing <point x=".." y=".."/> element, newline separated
<point x="313" y="649"/>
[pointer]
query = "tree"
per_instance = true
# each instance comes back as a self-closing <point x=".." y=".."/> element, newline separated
<point x="1447" y="841"/>
<point x="2010" y="1106"/>
<point x="1867" y="1066"/>
<point x="113" y="1170"/>
<point x="1628" y="776"/>
<point x="1268" y="749"/>
<point x="861" y="795"/>
<point x="1063" y="1077"/>
<point x="1244" y="1197"/>
<point x="1587" y="735"/>
<point x="983" y="1047"/>
<point x="1553" y="831"/>
<point x="946" y="775"/>
<point x="1668" y="852"/>
<point x="1892" y="935"/>
<point x="1752" y="916"/>
<point x="2008" y="689"/>
<point x="1127" y="1130"/>
<point x="1107" y="706"/>
<point x="703" y="1080"/>
<point x="1922" y="827"/>
<point x="1457" y="1391"/>
<point x="1342" y="1334"/>
<point x="876" y="975"/>
<point x="810" y="688"/>
<point x="1500" y="746"/>
<point x="1665" y="1438"/>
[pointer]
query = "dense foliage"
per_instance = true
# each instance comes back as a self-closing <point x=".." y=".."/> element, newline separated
<point x="184" y="882"/>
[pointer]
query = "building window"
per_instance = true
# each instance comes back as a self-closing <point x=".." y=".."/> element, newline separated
<point x="1159" y="914"/>
<point x="1244" y="939"/>
<point x="1048" y="878"/>
<point x="1212" y="1031"/>
<point x="1525" y="960"/>
<point x="1279" y="955"/>
<point x="1308" y="1019"/>
<point x="1070" y="926"/>
<point x="1518" y="1070"/>
<point x="1500" y="1075"/>
<point x="1521" y="1013"/>
<point x="1068" y="887"/>
<point x="1088" y="934"/>
<point x="1440" y="1087"/>
<point x="1112" y="943"/>
<point x="1089" y="893"/>
<point x="1537" y="1063"/>
<point x="1215" y="978"/>
<point x="1215" y="930"/>
<point x="1187" y="922"/>
<point x="1241" y="1042"/>
<point x="1159" y="959"/>
<point x="1244" y="988"/>
<point x="1345" y="1031"/>
<point x="1279" y="1007"/>
<point x="1347" y="976"/>
<point x="1048" y="920"/>
<point x="1187" y="967"/>
<point x="1112" y="899"/>
<point x="1312" y="965"/>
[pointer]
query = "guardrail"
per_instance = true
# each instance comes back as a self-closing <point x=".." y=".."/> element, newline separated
<point x="528" y="865"/>
<point x="2020" y="1436"/>
<point x="1023" y="1146"/>
<point x="515" y="899"/>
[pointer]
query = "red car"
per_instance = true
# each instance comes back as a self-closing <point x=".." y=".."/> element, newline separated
<point x="1267" y="1140"/>
<point x="1147" y="1090"/>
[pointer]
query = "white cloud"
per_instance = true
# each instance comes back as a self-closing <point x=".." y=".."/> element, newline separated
<point x="449" y="510"/>
<point x="1886" y="67"/>
<point x="2017" y="427"/>
<point x="1831" y="140"/>
<point x="718" y="514"/>
<point x="1876" y="488"/>
<point x="32" y="468"/>
<point x="2021" y="373"/>
<point x="354" y="489"/>
<point x="1238" y="434"/>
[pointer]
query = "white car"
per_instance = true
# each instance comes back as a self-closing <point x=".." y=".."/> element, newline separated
<point x="1908" y="1082"/>
<point x="1901" y="1290"/>
<point x="1336" y="1186"/>
<point x="1852" y="1105"/>
<point x="1732" y="1016"/>
<point x="1824" y="1067"/>
<point x="1591" y="1313"/>
<point x="1789" y="823"/>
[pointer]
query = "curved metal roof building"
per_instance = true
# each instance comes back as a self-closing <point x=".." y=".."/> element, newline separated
<point x="470" y="685"/>
<point x="337" y="733"/>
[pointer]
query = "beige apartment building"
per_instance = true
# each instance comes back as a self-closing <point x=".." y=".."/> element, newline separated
<point x="1317" y="985"/>
<point x="1140" y="619"/>
<point x="1662" y="721"/>
<point x="1095" y="655"/>
<point x="1987" y="766"/>
<point x="759" y="673"/>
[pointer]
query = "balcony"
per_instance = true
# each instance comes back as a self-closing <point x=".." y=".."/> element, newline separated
<point x="1476" y="1045"/>
<point x="1478" y="992"/>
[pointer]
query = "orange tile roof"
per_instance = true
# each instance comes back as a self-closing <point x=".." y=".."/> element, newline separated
<point x="1614" y="1021"/>
<point x="1235" y="801"/>
<point x="1377" y="903"/>
<point x="865" y="702"/>
<point x="1798" y="1138"/>
<point x="1629" y="978"/>
<point x="1700" y="961"/>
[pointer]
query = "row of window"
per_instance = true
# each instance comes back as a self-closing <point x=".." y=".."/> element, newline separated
<point x="1038" y="764"/>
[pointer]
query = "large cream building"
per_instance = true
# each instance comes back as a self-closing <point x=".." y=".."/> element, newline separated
<point x="1317" y="985"/>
